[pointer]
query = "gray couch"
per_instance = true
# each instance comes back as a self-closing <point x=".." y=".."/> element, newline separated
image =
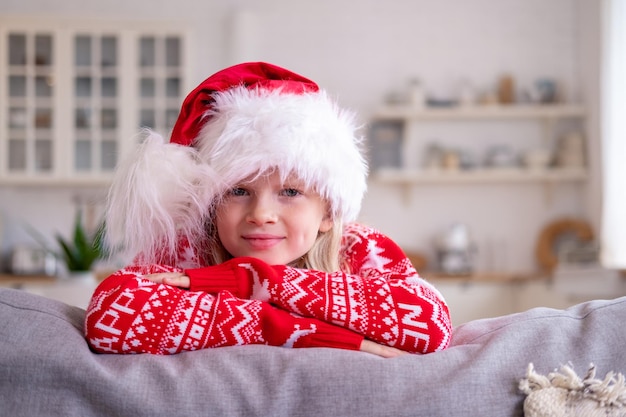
<point x="46" y="369"/>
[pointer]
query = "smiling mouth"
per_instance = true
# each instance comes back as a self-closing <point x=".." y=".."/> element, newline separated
<point x="260" y="242"/>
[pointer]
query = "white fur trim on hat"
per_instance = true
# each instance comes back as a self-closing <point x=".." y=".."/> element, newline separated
<point x="159" y="193"/>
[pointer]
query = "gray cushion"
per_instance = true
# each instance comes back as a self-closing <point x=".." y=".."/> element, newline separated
<point x="47" y="369"/>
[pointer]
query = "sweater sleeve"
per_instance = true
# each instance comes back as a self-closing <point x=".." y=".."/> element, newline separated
<point x="383" y="298"/>
<point x="130" y="314"/>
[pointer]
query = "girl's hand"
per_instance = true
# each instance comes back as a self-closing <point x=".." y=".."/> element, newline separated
<point x="381" y="350"/>
<point x="175" y="279"/>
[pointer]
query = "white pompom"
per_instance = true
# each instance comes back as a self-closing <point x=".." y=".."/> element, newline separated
<point x="159" y="193"/>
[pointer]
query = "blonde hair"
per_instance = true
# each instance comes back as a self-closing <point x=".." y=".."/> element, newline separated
<point x="325" y="253"/>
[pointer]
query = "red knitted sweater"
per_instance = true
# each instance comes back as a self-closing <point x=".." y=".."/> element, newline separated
<point x="246" y="301"/>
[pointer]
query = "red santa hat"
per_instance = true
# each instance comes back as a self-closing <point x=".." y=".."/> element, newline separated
<point x="244" y="120"/>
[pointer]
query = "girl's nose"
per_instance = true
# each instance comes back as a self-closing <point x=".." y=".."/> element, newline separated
<point x="262" y="210"/>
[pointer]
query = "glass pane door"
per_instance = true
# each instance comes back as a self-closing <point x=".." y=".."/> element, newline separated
<point x="160" y="82"/>
<point x="31" y="89"/>
<point x="96" y="98"/>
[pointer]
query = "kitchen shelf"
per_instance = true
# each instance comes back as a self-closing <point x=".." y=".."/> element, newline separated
<point x="18" y="281"/>
<point x="475" y="176"/>
<point x="481" y="112"/>
<point x="484" y="277"/>
<point x="548" y="114"/>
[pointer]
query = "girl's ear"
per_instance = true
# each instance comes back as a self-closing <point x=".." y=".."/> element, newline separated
<point x="326" y="224"/>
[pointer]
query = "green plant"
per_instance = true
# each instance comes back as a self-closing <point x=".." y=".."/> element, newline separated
<point x="84" y="249"/>
<point x="81" y="251"/>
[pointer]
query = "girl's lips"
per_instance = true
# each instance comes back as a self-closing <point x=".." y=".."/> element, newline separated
<point x="262" y="241"/>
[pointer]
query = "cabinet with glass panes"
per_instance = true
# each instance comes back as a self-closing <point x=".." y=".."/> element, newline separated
<point x="77" y="98"/>
<point x="28" y="128"/>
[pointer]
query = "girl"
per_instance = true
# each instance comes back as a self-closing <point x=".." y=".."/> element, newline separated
<point x="243" y="226"/>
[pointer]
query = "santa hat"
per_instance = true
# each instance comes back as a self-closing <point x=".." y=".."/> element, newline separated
<point x="244" y="120"/>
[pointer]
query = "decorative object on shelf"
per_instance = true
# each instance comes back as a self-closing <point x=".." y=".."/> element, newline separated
<point x="506" y="89"/>
<point x="501" y="156"/>
<point x="385" y="139"/>
<point x="26" y="260"/>
<point x="455" y="250"/>
<point x="438" y="158"/>
<point x="433" y="157"/>
<point x="576" y="253"/>
<point x="556" y="234"/>
<point x="571" y="151"/>
<point x="434" y="101"/>
<point x="451" y="160"/>
<point x="537" y="159"/>
<point x="417" y="96"/>
<point x="545" y="91"/>
<point x="489" y="98"/>
<point x="467" y="93"/>
<point x="395" y="98"/>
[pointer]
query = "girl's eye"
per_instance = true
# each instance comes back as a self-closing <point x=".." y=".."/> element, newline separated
<point x="291" y="192"/>
<point x="238" y="192"/>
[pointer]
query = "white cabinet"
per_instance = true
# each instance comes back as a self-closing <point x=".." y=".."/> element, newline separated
<point x="410" y="124"/>
<point x="473" y="299"/>
<point x="78" y="93"/>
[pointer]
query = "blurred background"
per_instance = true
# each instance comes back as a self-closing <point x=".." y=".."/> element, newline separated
<point x="483" y="118"/>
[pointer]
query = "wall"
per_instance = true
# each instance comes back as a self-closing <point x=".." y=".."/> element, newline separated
<point x="361" y="50"/>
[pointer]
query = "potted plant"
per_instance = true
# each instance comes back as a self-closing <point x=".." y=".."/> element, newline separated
<point x="83" y="250"/>
<point x="80" y="252"/>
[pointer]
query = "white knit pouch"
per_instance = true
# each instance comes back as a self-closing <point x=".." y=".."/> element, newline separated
<point x="563" y="394"/>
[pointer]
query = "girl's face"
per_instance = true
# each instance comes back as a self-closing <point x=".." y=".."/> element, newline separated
<point x="270" y="220"/>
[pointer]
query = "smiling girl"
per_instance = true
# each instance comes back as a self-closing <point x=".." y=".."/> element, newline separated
<point x="243" y="230"/>
<point x="275" y="221"/>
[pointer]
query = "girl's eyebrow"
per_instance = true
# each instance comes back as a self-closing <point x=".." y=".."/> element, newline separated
<point x="299" y="187"/>
<point x="293" y="180"/>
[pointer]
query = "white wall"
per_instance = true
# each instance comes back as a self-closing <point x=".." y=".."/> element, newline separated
<point x="361" y="50"/>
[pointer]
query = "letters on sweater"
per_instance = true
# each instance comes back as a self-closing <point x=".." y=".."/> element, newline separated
<point x="246" y="301"/>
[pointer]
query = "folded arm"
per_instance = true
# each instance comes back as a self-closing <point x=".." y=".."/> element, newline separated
<point x="131" y="314"/>
<point x="384" y="299"/>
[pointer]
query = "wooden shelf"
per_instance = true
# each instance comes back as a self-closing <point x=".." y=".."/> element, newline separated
<point x="483" y="175"/>
<point x="15" y="281"/>
<point x="487" y="277"/>
<point x="478" y="112"/>
<point x="18" y="281"/>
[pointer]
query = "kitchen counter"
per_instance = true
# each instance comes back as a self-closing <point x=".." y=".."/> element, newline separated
<point x="73" y="291"/>
<point x="15" y="281"/>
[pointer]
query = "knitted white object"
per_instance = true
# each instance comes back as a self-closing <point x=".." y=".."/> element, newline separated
<point x="563" y="394"/>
